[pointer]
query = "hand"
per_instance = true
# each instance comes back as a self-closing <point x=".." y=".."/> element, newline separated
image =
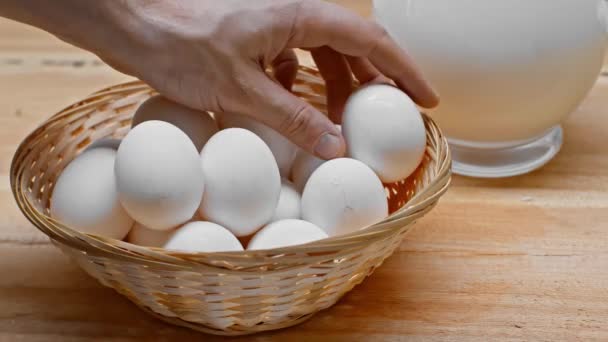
<point x="212" y="55"/>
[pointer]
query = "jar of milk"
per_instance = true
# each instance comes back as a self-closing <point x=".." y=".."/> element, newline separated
<point x="508" y="72"/>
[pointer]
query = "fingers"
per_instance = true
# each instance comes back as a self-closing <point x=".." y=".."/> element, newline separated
<point x="295" y="119"/>
<point x="365" y="71"/>
<point x="319" y="23"/>
<point x="338" y="79"/>
<point x="400" y="67"/>
<point x="285" y="68"/>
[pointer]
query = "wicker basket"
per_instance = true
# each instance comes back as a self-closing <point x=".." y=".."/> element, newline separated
<point x="219" y="293"/>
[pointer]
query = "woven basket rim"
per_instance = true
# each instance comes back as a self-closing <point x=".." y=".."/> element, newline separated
<point x="419" y="205"/>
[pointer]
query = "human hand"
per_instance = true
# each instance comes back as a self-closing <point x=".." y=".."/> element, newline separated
<point x="212" y="55"/>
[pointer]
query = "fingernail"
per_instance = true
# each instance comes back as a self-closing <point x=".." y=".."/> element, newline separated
<point x="436" y="97"/>
<point x="329" y="146"/>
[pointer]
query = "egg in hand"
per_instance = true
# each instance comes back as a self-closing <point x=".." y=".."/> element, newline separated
<point x="384" y="129"/>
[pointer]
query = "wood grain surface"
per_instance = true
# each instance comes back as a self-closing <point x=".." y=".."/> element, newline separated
<point x="519" y="259"/>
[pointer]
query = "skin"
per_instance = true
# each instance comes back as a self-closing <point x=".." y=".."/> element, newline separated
<point x="212" y="55"/>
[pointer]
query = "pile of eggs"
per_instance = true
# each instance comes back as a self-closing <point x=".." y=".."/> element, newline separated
<point x="188" y="181"/>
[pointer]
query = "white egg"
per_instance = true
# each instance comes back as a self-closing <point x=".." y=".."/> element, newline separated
<point x="198" y="125"/>
<point x="303" y="166"/>
<point x="143" y="236"/>
<point x="384" y="129"/>
<point x="159" y="176"/>
<point x="242" y="181"/>
<point x="105" y="142"/>
<point x="85" y="197"/>
<point x="286" y="233"/>
<point x="202" y="236"/>
<point x="284" y="151"/>
<point x="342" y="196"/>
<point x="289" y="203"/>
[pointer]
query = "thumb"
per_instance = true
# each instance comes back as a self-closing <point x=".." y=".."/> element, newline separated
<point x="296" y="119"/>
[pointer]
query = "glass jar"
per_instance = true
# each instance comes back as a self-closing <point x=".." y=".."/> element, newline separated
<point x="508" y="72"/>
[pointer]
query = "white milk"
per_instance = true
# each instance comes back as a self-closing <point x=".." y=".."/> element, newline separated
<point x="506" y="70"/>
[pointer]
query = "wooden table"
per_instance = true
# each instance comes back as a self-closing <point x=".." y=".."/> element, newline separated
<point x="517" y="259"/>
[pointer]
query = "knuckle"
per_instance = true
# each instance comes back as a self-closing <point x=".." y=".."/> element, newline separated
<point x="308" y="6"/>
<point x="377" y="30"/>
<point x="216" y="104"/>
<point x="245" y="89"/>
<point x="221" y="105"/>
<point x="307" y="12"/>
<point x="380" y="30"/>
<point x="285" y="64"/>
<point x="297" y="121"/>
<point x="379" y="33"/>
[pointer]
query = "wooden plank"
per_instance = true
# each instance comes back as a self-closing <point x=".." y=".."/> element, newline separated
<point x="498" y="260"/>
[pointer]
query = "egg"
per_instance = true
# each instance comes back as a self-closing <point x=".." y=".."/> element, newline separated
<point x="203" y="236"/>
<point x="286" y="233"/>
<point x="384" y="129"/>
<point x="344" y="195"/>
<point x="197" y="125"/>
<point x="159" y="176"/>
<point x="284" y="151"/>
<point x="289" y="203"/>
<point x="144" y="236"/>
<point x="242" y="181"/>
<point x="303" y="166"/>
<point x="85" y="199"/>
<point x="105" y="142"/>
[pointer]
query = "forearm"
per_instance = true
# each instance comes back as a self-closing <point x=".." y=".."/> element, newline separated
<point x="90" y="24"/>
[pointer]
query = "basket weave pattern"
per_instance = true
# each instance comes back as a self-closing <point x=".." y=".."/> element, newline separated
<point x="220" y="293"/>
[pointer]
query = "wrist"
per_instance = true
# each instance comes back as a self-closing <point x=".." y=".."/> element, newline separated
<point x="96" y="26"/>
<point x="101" y="27"/>
<point x="67" y="19"/>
